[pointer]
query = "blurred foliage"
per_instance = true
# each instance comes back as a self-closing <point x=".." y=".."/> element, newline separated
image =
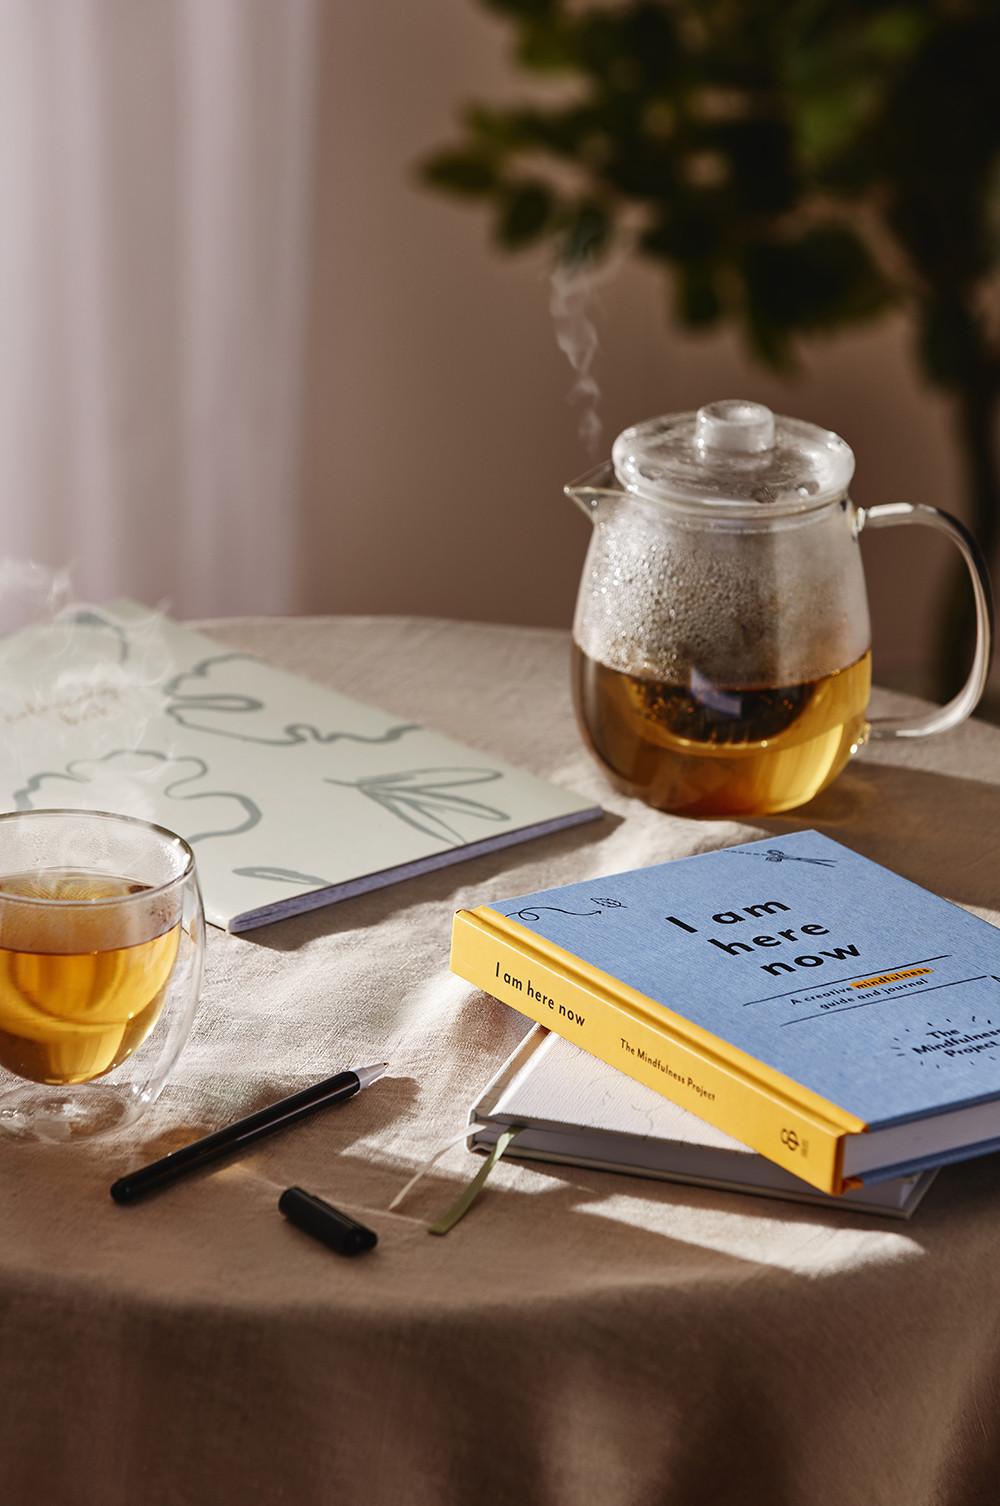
<point x="797" y="165"/>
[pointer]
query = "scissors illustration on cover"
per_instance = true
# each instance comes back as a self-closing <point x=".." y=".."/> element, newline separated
<point x="775" y="855"/>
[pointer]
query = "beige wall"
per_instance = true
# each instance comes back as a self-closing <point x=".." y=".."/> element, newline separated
<point x="438" y="434"/>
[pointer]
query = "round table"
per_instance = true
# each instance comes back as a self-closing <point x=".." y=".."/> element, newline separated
<point x="581" y="1337"/>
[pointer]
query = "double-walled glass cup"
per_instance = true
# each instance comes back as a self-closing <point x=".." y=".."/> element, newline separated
<point x="722" y="647"/>
<point x="102" y="936"/>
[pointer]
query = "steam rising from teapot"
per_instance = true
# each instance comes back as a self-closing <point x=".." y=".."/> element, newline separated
<point x="574" y="292"/>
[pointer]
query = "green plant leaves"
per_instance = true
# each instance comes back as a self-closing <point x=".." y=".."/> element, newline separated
<point x="738" y="143"/>
<point x="525" y="211"/>
<point x="823" y="278"/>
<point x="696" y="296"/>
<point x="469" y="173"/>
<point x="758" y="150"/>
<point x="948" y="342"/>
<point x="586" y="231"/>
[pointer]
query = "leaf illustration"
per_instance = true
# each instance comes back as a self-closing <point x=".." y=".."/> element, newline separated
<point x="282" y="875"/>
<point x="422" y="797"/>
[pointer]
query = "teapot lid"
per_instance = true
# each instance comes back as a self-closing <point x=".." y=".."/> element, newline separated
<point x="736" y="456"/>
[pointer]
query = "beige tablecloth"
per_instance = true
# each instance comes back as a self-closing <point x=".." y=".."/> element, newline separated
<point x="581" y="1338"/>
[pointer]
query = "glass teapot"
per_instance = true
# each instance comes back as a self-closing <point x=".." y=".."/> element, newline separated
<point x="721" y="644"/>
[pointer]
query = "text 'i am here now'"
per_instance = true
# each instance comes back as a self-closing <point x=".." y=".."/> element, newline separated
<point x="525" y="986"/>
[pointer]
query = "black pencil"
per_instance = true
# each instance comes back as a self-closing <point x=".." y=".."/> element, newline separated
<point x="235" y="1136"/>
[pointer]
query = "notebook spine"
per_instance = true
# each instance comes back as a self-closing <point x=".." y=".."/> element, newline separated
<point x="690" y="1075"/>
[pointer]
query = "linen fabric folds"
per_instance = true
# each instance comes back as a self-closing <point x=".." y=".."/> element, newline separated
<point x="579" y="1337"/>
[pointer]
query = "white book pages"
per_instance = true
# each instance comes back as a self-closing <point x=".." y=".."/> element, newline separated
<point x="577" y="1110"/>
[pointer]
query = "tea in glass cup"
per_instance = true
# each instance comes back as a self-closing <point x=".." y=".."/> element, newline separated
<point x="101" y="940"/>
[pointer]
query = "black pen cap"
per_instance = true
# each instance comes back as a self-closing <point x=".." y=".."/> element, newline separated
<point x="325" y="1222"/>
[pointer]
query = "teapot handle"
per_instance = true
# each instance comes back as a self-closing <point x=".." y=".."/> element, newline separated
<point x="965" y="702"/>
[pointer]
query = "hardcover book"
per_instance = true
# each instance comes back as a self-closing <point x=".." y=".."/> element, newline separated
<point x="821" y="1009"/>
<point x="575" y="1110"/>
<point x="291" y="795"/>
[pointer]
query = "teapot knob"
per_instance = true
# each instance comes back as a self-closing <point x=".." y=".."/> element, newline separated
<point x="735" y="425"/>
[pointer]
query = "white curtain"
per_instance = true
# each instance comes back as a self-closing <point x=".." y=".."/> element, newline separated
<point x="154" y="195"/>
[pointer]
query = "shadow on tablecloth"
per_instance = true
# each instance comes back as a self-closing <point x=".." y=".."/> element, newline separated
<point x="368" y="910"/>
<point x="936" y="829"/>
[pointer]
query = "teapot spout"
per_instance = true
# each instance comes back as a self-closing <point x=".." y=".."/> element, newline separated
<point x="595" y="491"/>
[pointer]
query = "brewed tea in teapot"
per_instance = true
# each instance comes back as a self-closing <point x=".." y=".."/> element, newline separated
<point x="722" y="645"/>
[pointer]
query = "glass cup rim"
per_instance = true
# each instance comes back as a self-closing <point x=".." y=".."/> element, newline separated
<point x="145" y="895"/>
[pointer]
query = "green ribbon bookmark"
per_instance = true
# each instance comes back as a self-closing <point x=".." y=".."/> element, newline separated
<point x="468" y="1195"/>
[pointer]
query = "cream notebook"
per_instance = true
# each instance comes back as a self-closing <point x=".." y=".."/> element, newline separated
<point x="292" y="795"/>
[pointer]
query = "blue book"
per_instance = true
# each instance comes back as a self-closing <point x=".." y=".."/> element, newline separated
<point x="821" y="1009"/>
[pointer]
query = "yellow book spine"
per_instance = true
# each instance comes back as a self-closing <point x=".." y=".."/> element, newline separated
<point x="805" y="1142"/>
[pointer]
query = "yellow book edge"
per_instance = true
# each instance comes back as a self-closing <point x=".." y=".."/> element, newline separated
<point x="742" y="1096"/>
